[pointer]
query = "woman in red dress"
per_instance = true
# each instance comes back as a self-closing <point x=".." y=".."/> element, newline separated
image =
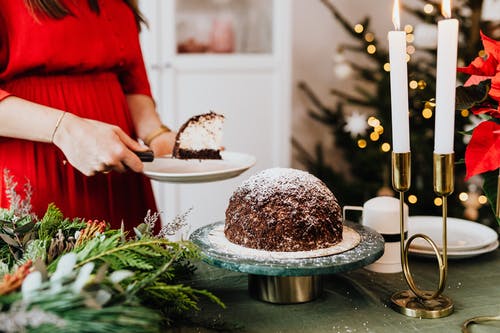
<point x="74" y="95"/>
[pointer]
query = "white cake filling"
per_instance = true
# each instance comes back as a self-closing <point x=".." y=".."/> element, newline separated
<point x="203" y="134"/>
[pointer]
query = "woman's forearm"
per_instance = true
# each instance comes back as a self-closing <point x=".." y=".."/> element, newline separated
<point x="23" y="119"/>
<point x="90" y="146"/>
<point x="144" y="115"/>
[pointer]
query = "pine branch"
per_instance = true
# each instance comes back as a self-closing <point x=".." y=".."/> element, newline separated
<point x="370" y="98"/>
<point x="369" y="74"/>
<point x="151" y="278"/>
<point x="350" y="98"/>
<point x="109" y="253"/>
<point x="343" y="21"/>
<point x="311" y="95"/>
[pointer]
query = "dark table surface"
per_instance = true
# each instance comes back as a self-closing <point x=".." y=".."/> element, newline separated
<point x="354" y="301"/>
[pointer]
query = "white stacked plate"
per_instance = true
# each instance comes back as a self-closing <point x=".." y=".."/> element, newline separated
<point x="465" y="238"/>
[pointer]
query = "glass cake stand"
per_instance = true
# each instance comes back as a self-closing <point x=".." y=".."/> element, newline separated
<point x="288" y="280"/>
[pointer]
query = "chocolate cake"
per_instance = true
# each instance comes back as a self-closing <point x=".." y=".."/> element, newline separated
<point x="282" y="209"/>
<point x="200" y="137"/>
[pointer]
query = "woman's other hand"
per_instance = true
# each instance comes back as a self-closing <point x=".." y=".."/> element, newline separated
<point x="92" y="146"/>
<point x="163" y="144"/>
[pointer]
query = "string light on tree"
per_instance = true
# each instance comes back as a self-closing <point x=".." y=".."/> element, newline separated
<point x="471" y="201"/>
<point x="428" y="8"/>
<point x="385" y="147"/>
<point x="369" y="37"/>
<point x="374" y="136"/>
<point x="427" y="113"/>
<point x="373" y="122"/>
<point x="362" y="143"/>
<point x="412" y="199"/>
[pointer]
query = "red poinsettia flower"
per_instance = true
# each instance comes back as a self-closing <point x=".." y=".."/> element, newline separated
<point x="483" y="152"/>
<point x="486" y="69"/>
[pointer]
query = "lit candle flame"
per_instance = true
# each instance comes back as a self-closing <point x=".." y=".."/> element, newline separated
<point x="395" y="15"/>
<point x="446" y="8"/>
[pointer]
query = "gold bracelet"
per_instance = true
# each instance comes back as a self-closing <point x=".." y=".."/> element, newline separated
<point x="151" y="136"/>
<point x="57" y="126"/>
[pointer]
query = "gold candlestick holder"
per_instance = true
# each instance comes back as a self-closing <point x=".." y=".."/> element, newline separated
<point x="416" y="302"/>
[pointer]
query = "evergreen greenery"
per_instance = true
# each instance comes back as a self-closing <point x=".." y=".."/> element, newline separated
<point x="151" y="294"/>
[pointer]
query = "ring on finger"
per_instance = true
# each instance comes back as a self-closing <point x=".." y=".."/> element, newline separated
<point x="107" y="169"/>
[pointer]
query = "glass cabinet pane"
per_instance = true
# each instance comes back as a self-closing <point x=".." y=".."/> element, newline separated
<point x="224" y="26"/>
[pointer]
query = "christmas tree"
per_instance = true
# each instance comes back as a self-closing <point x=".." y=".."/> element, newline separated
<point x="363" y="137"/>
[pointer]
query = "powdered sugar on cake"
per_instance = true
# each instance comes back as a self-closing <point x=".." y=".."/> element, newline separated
<point x="285" y="180"/>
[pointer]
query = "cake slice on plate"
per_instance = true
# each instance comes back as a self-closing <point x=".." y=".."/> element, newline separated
<point x="200" y="137"/>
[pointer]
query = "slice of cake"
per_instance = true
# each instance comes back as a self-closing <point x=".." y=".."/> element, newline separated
<point x="200" y="137"/>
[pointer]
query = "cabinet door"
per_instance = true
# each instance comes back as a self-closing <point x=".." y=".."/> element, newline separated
<point x="250" y="90"/>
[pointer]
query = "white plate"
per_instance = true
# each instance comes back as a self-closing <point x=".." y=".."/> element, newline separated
<point x="456" y="254"/>
<point x="463" y="235"/>
<point x="168" y="169"/>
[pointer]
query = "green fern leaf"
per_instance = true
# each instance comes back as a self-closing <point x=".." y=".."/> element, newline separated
<point x="50" y="222"/>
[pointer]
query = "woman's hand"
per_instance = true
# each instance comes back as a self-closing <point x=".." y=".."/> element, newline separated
<point x="163" y="144"/>
<point x="92" y="146"/>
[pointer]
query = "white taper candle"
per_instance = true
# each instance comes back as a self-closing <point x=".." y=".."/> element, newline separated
<point x="399" y="86"/>
<point x="444" y="129"/>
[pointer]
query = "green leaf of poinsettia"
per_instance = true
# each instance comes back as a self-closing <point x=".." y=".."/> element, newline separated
<point x="467" y="97"/>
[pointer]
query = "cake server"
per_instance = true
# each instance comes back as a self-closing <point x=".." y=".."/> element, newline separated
<point x="145" y="156"/>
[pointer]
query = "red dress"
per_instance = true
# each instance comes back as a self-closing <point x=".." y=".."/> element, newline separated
<point x="85" y="64"/>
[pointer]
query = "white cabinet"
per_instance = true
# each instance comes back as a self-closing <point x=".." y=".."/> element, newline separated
<point x="229" y="56"/>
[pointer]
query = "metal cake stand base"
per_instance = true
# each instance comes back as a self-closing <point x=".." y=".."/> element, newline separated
<point x="285" y="289"/>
